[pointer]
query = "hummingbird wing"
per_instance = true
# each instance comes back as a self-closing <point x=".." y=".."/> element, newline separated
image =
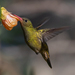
<point x="50" y="33"/>
<point x="42" y="23"/>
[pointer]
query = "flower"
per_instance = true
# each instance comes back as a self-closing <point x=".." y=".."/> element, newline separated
<point x="8" y="20"/>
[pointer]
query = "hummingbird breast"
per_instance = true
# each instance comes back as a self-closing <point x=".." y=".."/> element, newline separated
<point x="34" y="42"/>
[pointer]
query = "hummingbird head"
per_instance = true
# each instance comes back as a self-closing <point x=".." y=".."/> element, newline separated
<point x="26" y="22"/>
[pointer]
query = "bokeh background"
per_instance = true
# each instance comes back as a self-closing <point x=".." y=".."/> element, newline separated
<point x="16" y="58"/>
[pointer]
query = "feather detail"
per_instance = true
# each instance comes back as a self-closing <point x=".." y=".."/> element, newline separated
<point x="47" y="34"/>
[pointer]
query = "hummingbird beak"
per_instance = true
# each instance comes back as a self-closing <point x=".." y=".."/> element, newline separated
<point x="19" y="19"/>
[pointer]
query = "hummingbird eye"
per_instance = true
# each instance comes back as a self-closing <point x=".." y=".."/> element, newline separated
<point x="25" y="20"/>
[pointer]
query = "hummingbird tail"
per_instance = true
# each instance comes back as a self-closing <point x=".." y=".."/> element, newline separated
<point x="45" y="55"/>
<point x="49" y="63"/>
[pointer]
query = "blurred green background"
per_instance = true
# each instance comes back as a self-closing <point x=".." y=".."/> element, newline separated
<point x="16" y="58"/>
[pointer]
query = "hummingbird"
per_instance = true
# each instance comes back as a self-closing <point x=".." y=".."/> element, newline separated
<point x="37" y="38"/>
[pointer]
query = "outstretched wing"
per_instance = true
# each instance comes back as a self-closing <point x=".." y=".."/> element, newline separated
<point x="42" y="23"/>
<point x="47" y="34"/>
